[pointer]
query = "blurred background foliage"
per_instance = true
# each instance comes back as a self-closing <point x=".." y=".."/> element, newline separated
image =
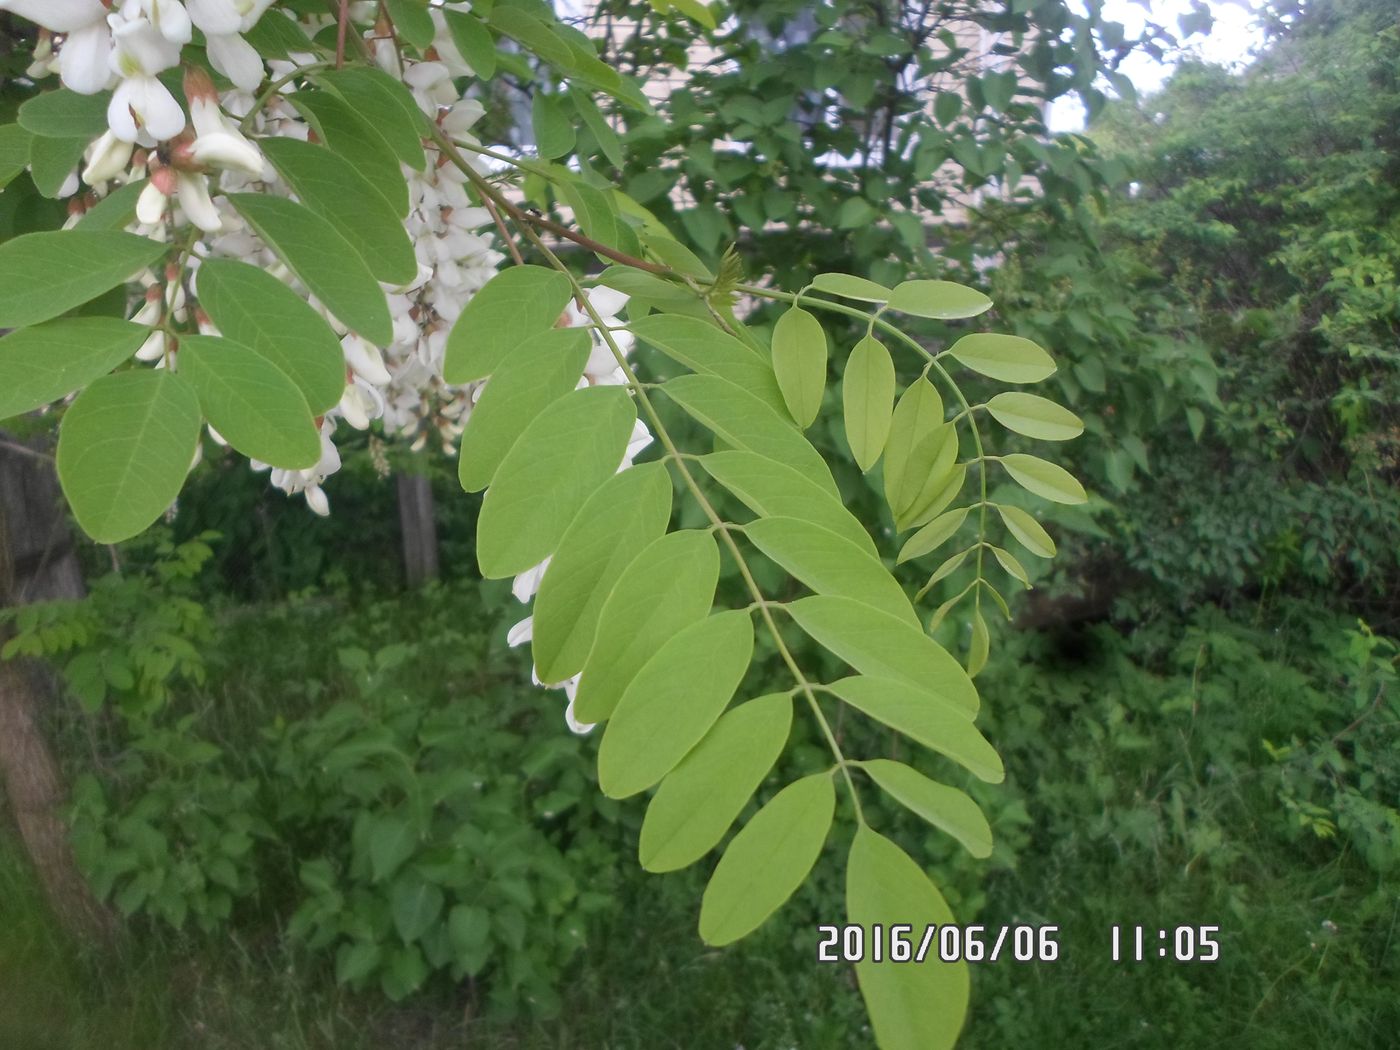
<point x="333" y="812"/>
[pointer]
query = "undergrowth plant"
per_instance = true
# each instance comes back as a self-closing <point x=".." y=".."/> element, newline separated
<point x="328" y="275"/>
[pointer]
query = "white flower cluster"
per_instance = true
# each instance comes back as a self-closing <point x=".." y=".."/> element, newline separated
<point x="125" y="47"/>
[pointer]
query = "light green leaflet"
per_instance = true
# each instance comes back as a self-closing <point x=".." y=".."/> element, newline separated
<point x="51" y="161"/>
<point x="474" y="41"/>
<point x="673" y="701"/>
<point x="14" y="151"/>
<point x="767" y="860"/>
<point x="946" y="808"/>
<point x="387" y="105"/>
<point x="666" y="588"/>
<point x="41" y="364"/>
<point x="1008" y="358"/>
<point x="925" y="717"/>
<point x="43" y="275"/>
<point x="912" y="1006"/>
<point x="743" y="421"/>
<point x="830" y="564"/>
<point x="541" y="370"/>
<point x="867" y="398"/>
<point x="883" y="646"/>
<point x="347" y="200"/>
<point x="628" y="512"/>
<point x="703" y="348"/>
<point x="251" y="402"/>
<point x="115" y="211"/>
<point x="940" y="500"/>
<point x="1028" y="532"/>
<point x="565" y="453"/>
<point x="325" y="261"/>
<point x="926" y="473"/>
<point x="943" y="300"/>
<point x="412" y="22"/>
<point x="933" y="535"/>
<point x="254" y="308"/>
<point x="772" y="489"/>
<point x="1034" y="416"/>
<point x="979" y="645"/>
<point x="554" y="132"/>
<point x="124" y="448"/>
<point x="849" y="286"/>
<point x="703" y="796"/>
<point x="1044" y="479"/>
<point x="350" y="135"/>
<point x="513" y="306"/>
<point x="918" y="416"/>
<point x="65" y="114"/>
<point x="799" y="362"/>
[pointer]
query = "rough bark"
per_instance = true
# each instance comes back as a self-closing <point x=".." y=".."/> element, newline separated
<point x="419" y="529"/>
<point x="37" y="563"/>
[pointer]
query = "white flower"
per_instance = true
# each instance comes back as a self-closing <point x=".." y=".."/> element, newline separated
<point x="108" y="157"/>
<point x="169" y="17"/>
<point x="141" y="102"/>
<point x="215" y="17"/>
<point x="151" y="205"/>
<point x="236" y="59"/>
<point x="524" y="632"/>
<point x="58" y="16"/>
<point x="192" y="189"/>
<point x="218" y="143"/>
<point x="82" y="62"/>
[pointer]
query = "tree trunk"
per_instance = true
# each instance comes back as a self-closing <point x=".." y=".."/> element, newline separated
<point x="419" y="529"/>
<point x="37" y="563"/>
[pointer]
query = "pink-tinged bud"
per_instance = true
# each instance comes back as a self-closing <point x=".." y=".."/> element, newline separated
<point x="182" y="157"/>
<point x="199" y="85"/>
<point x="164" y="179"/>
<point x="76" y="207"/>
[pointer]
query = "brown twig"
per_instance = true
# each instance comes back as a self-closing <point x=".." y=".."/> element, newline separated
<point x="505" y="234"/>
<point x="341" y="23"/>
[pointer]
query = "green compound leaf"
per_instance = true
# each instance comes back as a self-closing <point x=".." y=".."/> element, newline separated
<point x="883" y="646"/>
<point x="324" y="260"/>
<point x="946" y="808"/>
<point x="925" y="717"/>
<point x="351" y="136"/>
<point x="1007" y="358"/>
<point x="830" y="564"/>
<point x="666" y="588"/>
<point x="628" y="512"/>
<point x="912" y="1006"/>
<point x="766" y="862"/>
<point x="772" y="489"/>
<point x="254" y="308"/>
<point x="849" y="286"/>
<point x="41" y="364"/>
<point x="867" y="397"/>
<point x="933" y="535"/>
<point x="124" y="448"/>
<point x="703" y="348"/>
<point x="565" y="453"/>
<point x="346" y="199"/>
<point x="673" y="701"/>
<point x="1035" y="417"/>
<point x="415" y="904"/>
<point x="252" y="403"/>
<point x="539" y="372"/>
<point x="554" y="132"/>
<point x="703" y="796"/>
<point x="1044" y="479"/>
<point x="115" y="211"/>
<point x="1028" y="532"/>
<point x="43" y="275"/>
<point x="942" y="300"/>
<point x="799" y="362"/>
<point x="743" y="421"/>
<point x="513" y="306"/>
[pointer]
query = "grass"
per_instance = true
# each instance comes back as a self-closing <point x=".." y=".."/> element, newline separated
<point x="1139" y="795"/>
